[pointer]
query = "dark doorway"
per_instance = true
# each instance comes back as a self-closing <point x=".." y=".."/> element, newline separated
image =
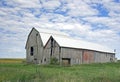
<point x="66" y="61"/>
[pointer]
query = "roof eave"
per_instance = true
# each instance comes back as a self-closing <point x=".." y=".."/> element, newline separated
<point x="89" y="50"/>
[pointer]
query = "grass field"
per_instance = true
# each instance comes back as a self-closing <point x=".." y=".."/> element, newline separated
<point x="11" y="60"/>
<point x="20" y="72"/>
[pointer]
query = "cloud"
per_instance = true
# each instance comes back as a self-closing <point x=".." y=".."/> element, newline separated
<point x="50" y="4"/>
<point x="24" y="3"/>
<point x="82" y="19"/>
<point x="109" y="22"/>
<point x="80" y="9"/>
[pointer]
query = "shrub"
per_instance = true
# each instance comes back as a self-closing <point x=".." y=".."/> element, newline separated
<point x="54" y="61"/>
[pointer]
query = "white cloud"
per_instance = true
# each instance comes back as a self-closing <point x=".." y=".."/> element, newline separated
<point x="25" y="3"/>
<point x="50" y="4"/>
<point x="113" y="14"/>
<point x="76" y="17"/>
<point x="112" y="6"/>
<point x="110" y="22"/>
<point x="79" y="8"/>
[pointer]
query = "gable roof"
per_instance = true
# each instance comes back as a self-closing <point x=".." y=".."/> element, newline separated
<point x="64" y="40"/>
<point x="51" y="32"/>
<point x="45" y="37"/>
<point x="80" y="44"/>
<point x="45" y="34"/>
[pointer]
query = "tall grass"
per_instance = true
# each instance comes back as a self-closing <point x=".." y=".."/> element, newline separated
<point x="19" y="72"/>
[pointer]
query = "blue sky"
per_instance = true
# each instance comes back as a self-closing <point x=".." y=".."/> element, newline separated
<point x="96" y="21"/>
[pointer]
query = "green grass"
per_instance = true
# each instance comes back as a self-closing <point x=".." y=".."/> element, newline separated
<point x="20" y="72"/>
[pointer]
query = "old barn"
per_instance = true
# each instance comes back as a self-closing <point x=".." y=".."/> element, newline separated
<point x="43" y="45"/>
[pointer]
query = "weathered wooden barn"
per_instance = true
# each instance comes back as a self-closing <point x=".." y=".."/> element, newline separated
<point x="43" y="45"/>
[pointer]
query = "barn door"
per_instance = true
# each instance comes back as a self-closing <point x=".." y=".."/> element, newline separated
<point x="65" y="61"/>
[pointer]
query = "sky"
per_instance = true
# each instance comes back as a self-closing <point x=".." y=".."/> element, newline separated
<point x="96" y="21"/>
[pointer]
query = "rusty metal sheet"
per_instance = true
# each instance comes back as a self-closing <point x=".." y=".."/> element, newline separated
<point x="88" y="56"/>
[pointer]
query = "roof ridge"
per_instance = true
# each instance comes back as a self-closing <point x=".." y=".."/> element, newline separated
<point x="49" y="31"/>
<point x="52" y="33"/>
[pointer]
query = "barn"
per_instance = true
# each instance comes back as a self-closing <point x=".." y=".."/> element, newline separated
<point x="43" y="45"/>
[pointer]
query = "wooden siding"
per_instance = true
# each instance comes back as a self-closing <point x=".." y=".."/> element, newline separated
<point x="48" y="54"/>
<point x="80" y="56"/>
<point x="34" y="41"/>
<point x="75" y="55"/>
<point x="100" y="57"/>
<point x="42" y="55"/>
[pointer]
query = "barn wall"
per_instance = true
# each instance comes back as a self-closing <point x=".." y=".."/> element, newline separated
<point x="101" y="57"/>
<point x="35" y="42"/>
<point x="88" y="56"/>
<point x="48" y="54"/>
<point x="80" y="56"/>
<point x="75" y="55"/>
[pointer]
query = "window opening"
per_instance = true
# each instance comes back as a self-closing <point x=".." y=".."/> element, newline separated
<point x="45" y="59"/>
<point x="31" y="51"/>
<point x="51" y="46"/>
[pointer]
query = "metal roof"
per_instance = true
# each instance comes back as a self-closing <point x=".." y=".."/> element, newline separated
<point x="64" y="40"/>
<point x="80" y="44"/>
<point x="51" y="32"/>
<point x="46" y="33"/>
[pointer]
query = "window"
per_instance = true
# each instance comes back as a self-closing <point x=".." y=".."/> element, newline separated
<point x="51" y="42"/>
<point x="31" y="51"/>
<point x="51" y="47"/>
<point x="45" y="60"/>
<point x="36" y="34"/>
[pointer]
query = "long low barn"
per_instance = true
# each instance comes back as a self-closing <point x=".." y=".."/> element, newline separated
<point x="43" y="45"/>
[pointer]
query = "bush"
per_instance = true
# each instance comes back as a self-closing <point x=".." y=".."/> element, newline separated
<point x="54" y="61"/>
